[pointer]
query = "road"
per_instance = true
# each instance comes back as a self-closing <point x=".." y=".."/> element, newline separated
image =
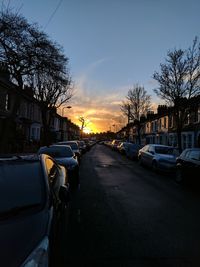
<point x="126" y="215"/>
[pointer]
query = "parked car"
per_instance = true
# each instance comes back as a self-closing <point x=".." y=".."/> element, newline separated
<point x="34" y="194"/>
<point x="82" y="146"/>
<point x="122" y="147"/>
<point x="115" y="143"/>
<point x="74" y="146"/>
<point x="132" y="150"/>
<point x="158" y="157"/>
<point x="64" y="156"/>
<point x="188" y="165"/>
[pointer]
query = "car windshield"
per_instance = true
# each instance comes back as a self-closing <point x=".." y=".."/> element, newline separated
<point x="73" y="146"/>
<point x="194" y="155"/>
<point x="165" y="150"/>
<point x="57" y="151"/>
<point x="21" y="185"/>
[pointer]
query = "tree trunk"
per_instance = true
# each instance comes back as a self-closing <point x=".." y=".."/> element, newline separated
<point x="46" y="139"/>
<point x="139" y="135"/>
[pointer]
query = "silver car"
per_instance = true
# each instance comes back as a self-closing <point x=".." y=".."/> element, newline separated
<point x="158" y="157"/>
<point x="74" y="146"/>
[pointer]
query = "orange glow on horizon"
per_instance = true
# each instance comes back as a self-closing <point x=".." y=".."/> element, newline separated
<point x="97" y="121"/>
<point x="87" y="130"/>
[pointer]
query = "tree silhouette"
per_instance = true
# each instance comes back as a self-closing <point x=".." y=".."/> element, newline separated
<point x="179" y="81"/>
<point x="34" y="61"/>
<point x="137" y="104"/>
<point x="84" y="123"/>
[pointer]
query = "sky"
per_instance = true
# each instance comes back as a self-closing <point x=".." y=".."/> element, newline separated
<point x="112" y="45"/>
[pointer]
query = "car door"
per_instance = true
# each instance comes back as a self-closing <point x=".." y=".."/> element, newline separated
<point x="144" y="154"/>
<point x="56" y="178"/>
<point x="149" y="155"/>
<point x="192" y="165"/>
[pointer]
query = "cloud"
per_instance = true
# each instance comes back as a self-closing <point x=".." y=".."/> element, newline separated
<point x="103" y="111"/>
<point x="97" y="102"/>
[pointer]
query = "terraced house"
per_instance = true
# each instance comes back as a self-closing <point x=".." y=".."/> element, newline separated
<point x="25" y="129"/>
<point x="160" y="127"/>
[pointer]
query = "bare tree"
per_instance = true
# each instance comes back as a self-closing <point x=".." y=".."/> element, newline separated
<point x="137" y="104"/>
<point x="84" y="123"/>
<point x="51" y="81"/>
<point x="35" y="61"/>
<point x="178" y="81"/>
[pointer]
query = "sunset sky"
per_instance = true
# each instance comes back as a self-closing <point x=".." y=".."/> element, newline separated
<point x="112" y="44"/>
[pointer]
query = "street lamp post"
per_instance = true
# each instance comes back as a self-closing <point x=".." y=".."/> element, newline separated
<point x="63" y="109"/>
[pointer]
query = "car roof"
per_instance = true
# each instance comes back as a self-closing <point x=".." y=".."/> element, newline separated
<point x="190" y="149"/>
<point x="195" y="149"/>
<point x="58" y="146"/>
<point x="159" y="145"/>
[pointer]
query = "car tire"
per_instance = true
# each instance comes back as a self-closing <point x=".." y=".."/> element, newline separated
<point x="178" y="176"/>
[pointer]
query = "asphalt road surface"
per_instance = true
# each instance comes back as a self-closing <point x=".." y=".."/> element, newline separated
<point x="126" y="215"/>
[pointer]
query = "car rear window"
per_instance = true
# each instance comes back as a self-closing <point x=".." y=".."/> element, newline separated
<point x="72" y="145"/>
<point x="57" y="151"/>
<point x="194" y="155"/>
<point x="21" y="185"/>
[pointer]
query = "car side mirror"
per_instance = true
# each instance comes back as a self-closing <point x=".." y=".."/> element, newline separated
<point x="64" y="194"/>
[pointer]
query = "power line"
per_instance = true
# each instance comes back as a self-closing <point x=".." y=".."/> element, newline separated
<point x="53" y="14"/>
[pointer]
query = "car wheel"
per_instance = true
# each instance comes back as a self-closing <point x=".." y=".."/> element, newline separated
<point x="178" y="176"/>
<point x="154" y="166"/>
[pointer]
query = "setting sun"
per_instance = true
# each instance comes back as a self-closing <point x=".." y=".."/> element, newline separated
<point x="87" y="130"/>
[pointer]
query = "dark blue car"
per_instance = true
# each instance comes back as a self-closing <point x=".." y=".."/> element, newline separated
<point x="34" y="193"/>
<point x="131" y="150"/>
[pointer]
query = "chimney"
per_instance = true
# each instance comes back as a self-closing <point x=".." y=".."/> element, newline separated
<point x="162" y="109"/>
<point x="150" y="114"/>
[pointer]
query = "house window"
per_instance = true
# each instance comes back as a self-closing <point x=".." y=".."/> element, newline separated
<point x="170" y="140"/>
<point x="159" y="124"/>
<point x="198" y="114"/>
<point x="173" y="140"/>
<point x="187" y="119"/>
<point x="155" y="126"/>
<point x="165" y="122"/>
<point x="152" y="127"/>
<point x="35" y="133"/>
<point x="189" y="141"/>
<point x="7" y="103"/>
<point x="184" y="141"/>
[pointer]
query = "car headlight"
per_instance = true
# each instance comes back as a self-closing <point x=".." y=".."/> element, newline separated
<point x="39" y="257"/>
